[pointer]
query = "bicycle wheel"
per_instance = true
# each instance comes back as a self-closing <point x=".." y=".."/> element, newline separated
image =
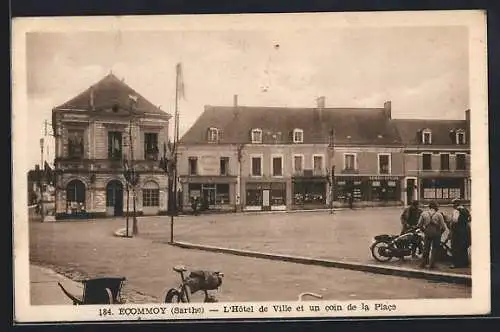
<point x="174" y="296"/>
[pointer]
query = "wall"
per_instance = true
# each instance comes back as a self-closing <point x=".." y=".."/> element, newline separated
<point x="367" y="160"/>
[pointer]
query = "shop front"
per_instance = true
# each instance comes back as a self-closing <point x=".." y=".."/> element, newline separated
<point x="378" y="190"/>
<point x="210" y="194"/>
<point x="265" y="196"/>
<point x="309" y="193"/>
<point x="444" y="189"/>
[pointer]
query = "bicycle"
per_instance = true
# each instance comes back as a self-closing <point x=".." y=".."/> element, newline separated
<point x="196" y="281"/>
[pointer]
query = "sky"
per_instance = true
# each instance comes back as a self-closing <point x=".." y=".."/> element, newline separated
<point x="424" y="71"/>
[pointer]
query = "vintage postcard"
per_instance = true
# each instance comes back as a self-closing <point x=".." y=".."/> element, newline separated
<point x="252" y="166"/>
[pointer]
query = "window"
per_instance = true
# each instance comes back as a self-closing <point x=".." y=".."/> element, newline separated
<point x="445" y="162"/>
<point x="349" y="161"/>
<point x="222" y="193"/>
<point x="151" y="194"/>
<point x="193" y="165"/>
<point x="114" y="145"/>
<point x="384" y="164"/>
<point x="256" y="166"/>
<point x="317" y="163"/>
<point x="460" y="162"/>
<point x="426" y="136"/>
<point x="224" y="164"/>
<point x="75" y="143"/>
<point x="427" y="161"/>
<point x="256" y="136"/>
<point x="298" y="136"/>
<point x="298" y="163"/>
<point x="277" y="166"/>
<point x="460" y="137"/>
<point x="213" y="135"/>
<point x="151" y="146"/>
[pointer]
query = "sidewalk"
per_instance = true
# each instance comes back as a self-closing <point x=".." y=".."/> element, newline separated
<point x="44" y="288"/>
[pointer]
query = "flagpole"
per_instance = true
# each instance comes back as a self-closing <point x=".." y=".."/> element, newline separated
<point x="173" y="197"/>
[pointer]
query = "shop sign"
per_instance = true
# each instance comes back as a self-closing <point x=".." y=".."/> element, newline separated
<point x="376" y="183"/>
<point x="380" y="178"/>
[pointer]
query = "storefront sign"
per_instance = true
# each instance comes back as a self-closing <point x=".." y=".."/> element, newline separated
<point x="380" y="178"/>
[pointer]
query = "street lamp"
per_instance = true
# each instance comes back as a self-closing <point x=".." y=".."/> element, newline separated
<point x="168" y="163"/>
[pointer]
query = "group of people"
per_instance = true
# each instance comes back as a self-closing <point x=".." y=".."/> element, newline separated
<point x="433" y="224"/>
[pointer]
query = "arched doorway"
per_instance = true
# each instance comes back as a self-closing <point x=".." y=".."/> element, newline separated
<point x="114" y="198"/>
<point x="75" y="197"/>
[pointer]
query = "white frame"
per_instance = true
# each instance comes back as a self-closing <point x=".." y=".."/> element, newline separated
<point x="256" y="130"/>
<point x="261" y="156"/>
<point x="211" y="131"/>
<point x="440" y="163"/>
<point x="465" y="161"/>
<point x="426" y="131"/>
<point x="421" y="161"/>
<point x="390" y="162"/>
<point x="322" y="161"/>
<point x="272" y="165"/>
<point x="355" y="160"/>
<point x="295" y="131"/>
<point x="460" y="132"/>
<point x="294" y="171"/>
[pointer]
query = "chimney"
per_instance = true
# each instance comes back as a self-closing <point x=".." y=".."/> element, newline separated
<point x="467" y="117"/>
<point x="92" y="105"/>
<point x="387" y="109"/>
<point x="235" y="100"/>
<point x="320" y="102"/>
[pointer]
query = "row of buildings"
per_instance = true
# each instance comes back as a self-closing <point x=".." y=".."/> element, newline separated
<point x="252" y="158"/>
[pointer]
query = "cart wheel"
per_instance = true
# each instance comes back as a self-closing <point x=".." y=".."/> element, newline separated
<point x="174" y="296"/>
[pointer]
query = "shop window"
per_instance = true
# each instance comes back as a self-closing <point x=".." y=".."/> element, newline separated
<point x="298" y="164"/>
<point x="277" y="166"/>
<point x="75" y="143"/>
<point x="224" y="165"/>
<point x="151" y="194"/>
<point x="115" y="145"/>
<point x="448" y="188"/>
<point x="384" y="191"/>
<point x="193" y="165"/>
<point x="445" y="162"/>
<point x="278" y="194"/>
<point x="384" y="164"/>
<point x="426" y="161"/>
<point x="254" y="197"/>
<point x="313" y="193"/>
<point x="256" y="166"/>
<point x="222" y="193"/>
<point x="460" y="161"/>
<point x="151" y="146"/>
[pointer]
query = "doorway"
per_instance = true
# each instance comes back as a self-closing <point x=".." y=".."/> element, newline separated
<point x="411" y="190"/>
<point x="114" y="198"/>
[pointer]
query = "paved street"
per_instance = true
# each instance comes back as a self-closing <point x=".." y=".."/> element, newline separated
<point x="88" y="249"/>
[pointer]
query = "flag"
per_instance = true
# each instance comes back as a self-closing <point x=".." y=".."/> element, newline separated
<point x="181" y="93"/>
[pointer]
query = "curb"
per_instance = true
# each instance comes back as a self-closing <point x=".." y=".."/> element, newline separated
<point x="454" y="278"/>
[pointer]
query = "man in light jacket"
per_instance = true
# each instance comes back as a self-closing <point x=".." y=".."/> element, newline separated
<point x="433" y="225"/>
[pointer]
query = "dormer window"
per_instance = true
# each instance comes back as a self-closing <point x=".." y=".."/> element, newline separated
<point x="460" y="136"/>
<point x="426" y="136"/>
<point x="256" y="135"/>
<point x="298" y="136"/>
<point x="213" y="135"/>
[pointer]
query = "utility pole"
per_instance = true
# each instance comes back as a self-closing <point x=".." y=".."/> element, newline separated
<point x="331" y="144"/>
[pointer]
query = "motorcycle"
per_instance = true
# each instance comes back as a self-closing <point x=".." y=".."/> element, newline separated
<point x="385" y="246"/>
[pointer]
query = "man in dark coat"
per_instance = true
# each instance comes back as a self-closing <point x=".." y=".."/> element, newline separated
<point x="410" y="216"/>
<point x="460" y="237"/>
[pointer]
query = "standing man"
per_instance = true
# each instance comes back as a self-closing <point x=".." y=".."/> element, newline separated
<point x="433" y="225"/>
<point x="460" y="237"/>
<point x="410" y="216"/>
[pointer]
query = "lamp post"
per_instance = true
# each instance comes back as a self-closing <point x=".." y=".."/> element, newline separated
<point x="168" y="163"/>
<point x="331" y="176"/>
<point x="132" y="179"/>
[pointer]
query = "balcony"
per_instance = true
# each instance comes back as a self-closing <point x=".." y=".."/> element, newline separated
<point x="349" y="171"/>
<point x="309" y="173"/>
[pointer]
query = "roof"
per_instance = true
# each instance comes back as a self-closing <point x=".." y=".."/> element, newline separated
<point x="443" y="131"/>
<point x="356" y="126"/>
<point x="107" y="93"/>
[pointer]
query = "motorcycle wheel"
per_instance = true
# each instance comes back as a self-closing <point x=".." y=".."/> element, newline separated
<point x="174" y="296"/>
<point x="375" y="250"/>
